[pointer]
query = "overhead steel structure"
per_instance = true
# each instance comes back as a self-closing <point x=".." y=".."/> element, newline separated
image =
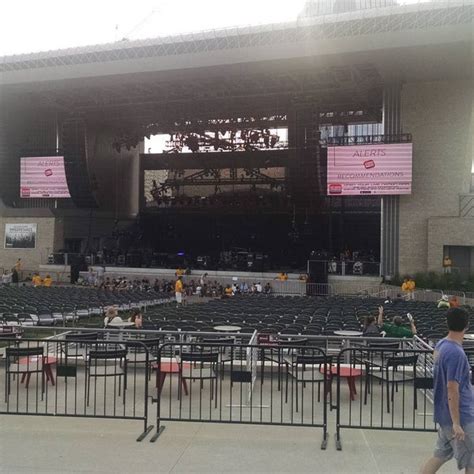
<point x="341" y="63"/>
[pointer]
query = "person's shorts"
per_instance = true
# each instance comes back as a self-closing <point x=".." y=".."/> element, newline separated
<point x="463" y="451"/>
<point x="179" y="297"/>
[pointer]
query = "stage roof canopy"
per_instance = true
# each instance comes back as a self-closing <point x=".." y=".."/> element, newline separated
<point x="334" y="60"/>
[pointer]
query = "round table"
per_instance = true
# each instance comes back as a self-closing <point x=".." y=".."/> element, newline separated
<point x="36" y="361"/>
<point x="349" y="373"/>
<point x="169" y="368"/>
<point x="348" y="333"/>
<point x="227" y="328"/>
<point x="123" y="324"/>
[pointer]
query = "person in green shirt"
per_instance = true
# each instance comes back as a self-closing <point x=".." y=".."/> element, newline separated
<point x="396" y="328"/>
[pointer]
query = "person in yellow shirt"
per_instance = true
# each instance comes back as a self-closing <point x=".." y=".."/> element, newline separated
<point x="228" y="291"/>
<point x="282" y="276"/>
<point x="48" y="281"/>
<point x="405" y="287"/>
<point x="178" y="291"/>
<point x="179" y="272"/>
<point x="36" y="280"/>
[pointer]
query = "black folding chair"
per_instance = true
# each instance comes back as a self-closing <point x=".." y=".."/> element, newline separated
<point x="104" y="363"/>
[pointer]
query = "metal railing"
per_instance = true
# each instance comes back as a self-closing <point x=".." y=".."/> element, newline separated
<point x="64" y="276"/>
<point x="389" y="389"/>
<point x="219" y="377"/>
<point x="76" y="375"/>
<point x="230" y="382"/>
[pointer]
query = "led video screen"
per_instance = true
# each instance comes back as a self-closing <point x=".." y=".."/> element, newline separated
<point x="369" y="169"/>
<point x="43" y="177"/>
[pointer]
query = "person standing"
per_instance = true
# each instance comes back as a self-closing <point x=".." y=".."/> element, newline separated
<point x="178" y="291"/>
<point x="411" y="288"/>
<point x="203" y="280"/>
<point x="406" y="288"/>
<point x="447" y="264"/>
<point x="453" y="398"/>
<point x="18" y="268"/>
<point x="15" y="276"/>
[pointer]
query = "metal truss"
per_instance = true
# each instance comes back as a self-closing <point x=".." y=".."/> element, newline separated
<point x="212" y="177"/>
<point x="367" y="140"/>
<point x="368" y="21"/>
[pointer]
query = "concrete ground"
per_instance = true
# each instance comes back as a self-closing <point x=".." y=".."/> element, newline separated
<point x="31" y="444"/>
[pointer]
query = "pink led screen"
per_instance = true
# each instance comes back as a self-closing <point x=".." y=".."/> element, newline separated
<point x="43" y="177"/>
<point x="369" y="169"/>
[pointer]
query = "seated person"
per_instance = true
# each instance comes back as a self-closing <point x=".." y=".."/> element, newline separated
<point x="454" y="302"/>
<point x="443" y="302"/>
<point x="370" y="327"/>
<point x="228" y="291"/>
<point x="396" y="328"/>
<point x="48" y="281"/>
<point x="136" y="318"/>
<point x="36" y="280"/>
<point x="112" y="317"/>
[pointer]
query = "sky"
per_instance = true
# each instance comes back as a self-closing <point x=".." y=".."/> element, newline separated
<point x="58" y="24"/>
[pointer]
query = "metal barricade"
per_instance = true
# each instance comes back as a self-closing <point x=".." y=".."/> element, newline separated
<point x="77" y="375"/>
<point x="227" y="381"/>
<point x="388" y="388"/>
<point x="319" y="289"/>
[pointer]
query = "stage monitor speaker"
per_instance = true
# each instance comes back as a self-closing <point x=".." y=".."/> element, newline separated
<point x="318" y="272"/>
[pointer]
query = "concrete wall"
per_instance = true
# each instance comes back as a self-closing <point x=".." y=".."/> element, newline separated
<point x="45" y="242"/>
<point x="447" y="231"/>
<point x="439" y="115"/>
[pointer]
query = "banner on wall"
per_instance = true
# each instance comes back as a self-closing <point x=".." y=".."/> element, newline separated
<point x="20" y="236"/>
<point x="370" y="169"/>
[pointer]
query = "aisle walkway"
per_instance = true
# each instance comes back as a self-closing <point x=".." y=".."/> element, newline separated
<point x="46" y="445"/>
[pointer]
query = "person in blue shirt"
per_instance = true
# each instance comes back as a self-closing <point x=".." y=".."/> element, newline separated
<point x="453" y="398"/>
